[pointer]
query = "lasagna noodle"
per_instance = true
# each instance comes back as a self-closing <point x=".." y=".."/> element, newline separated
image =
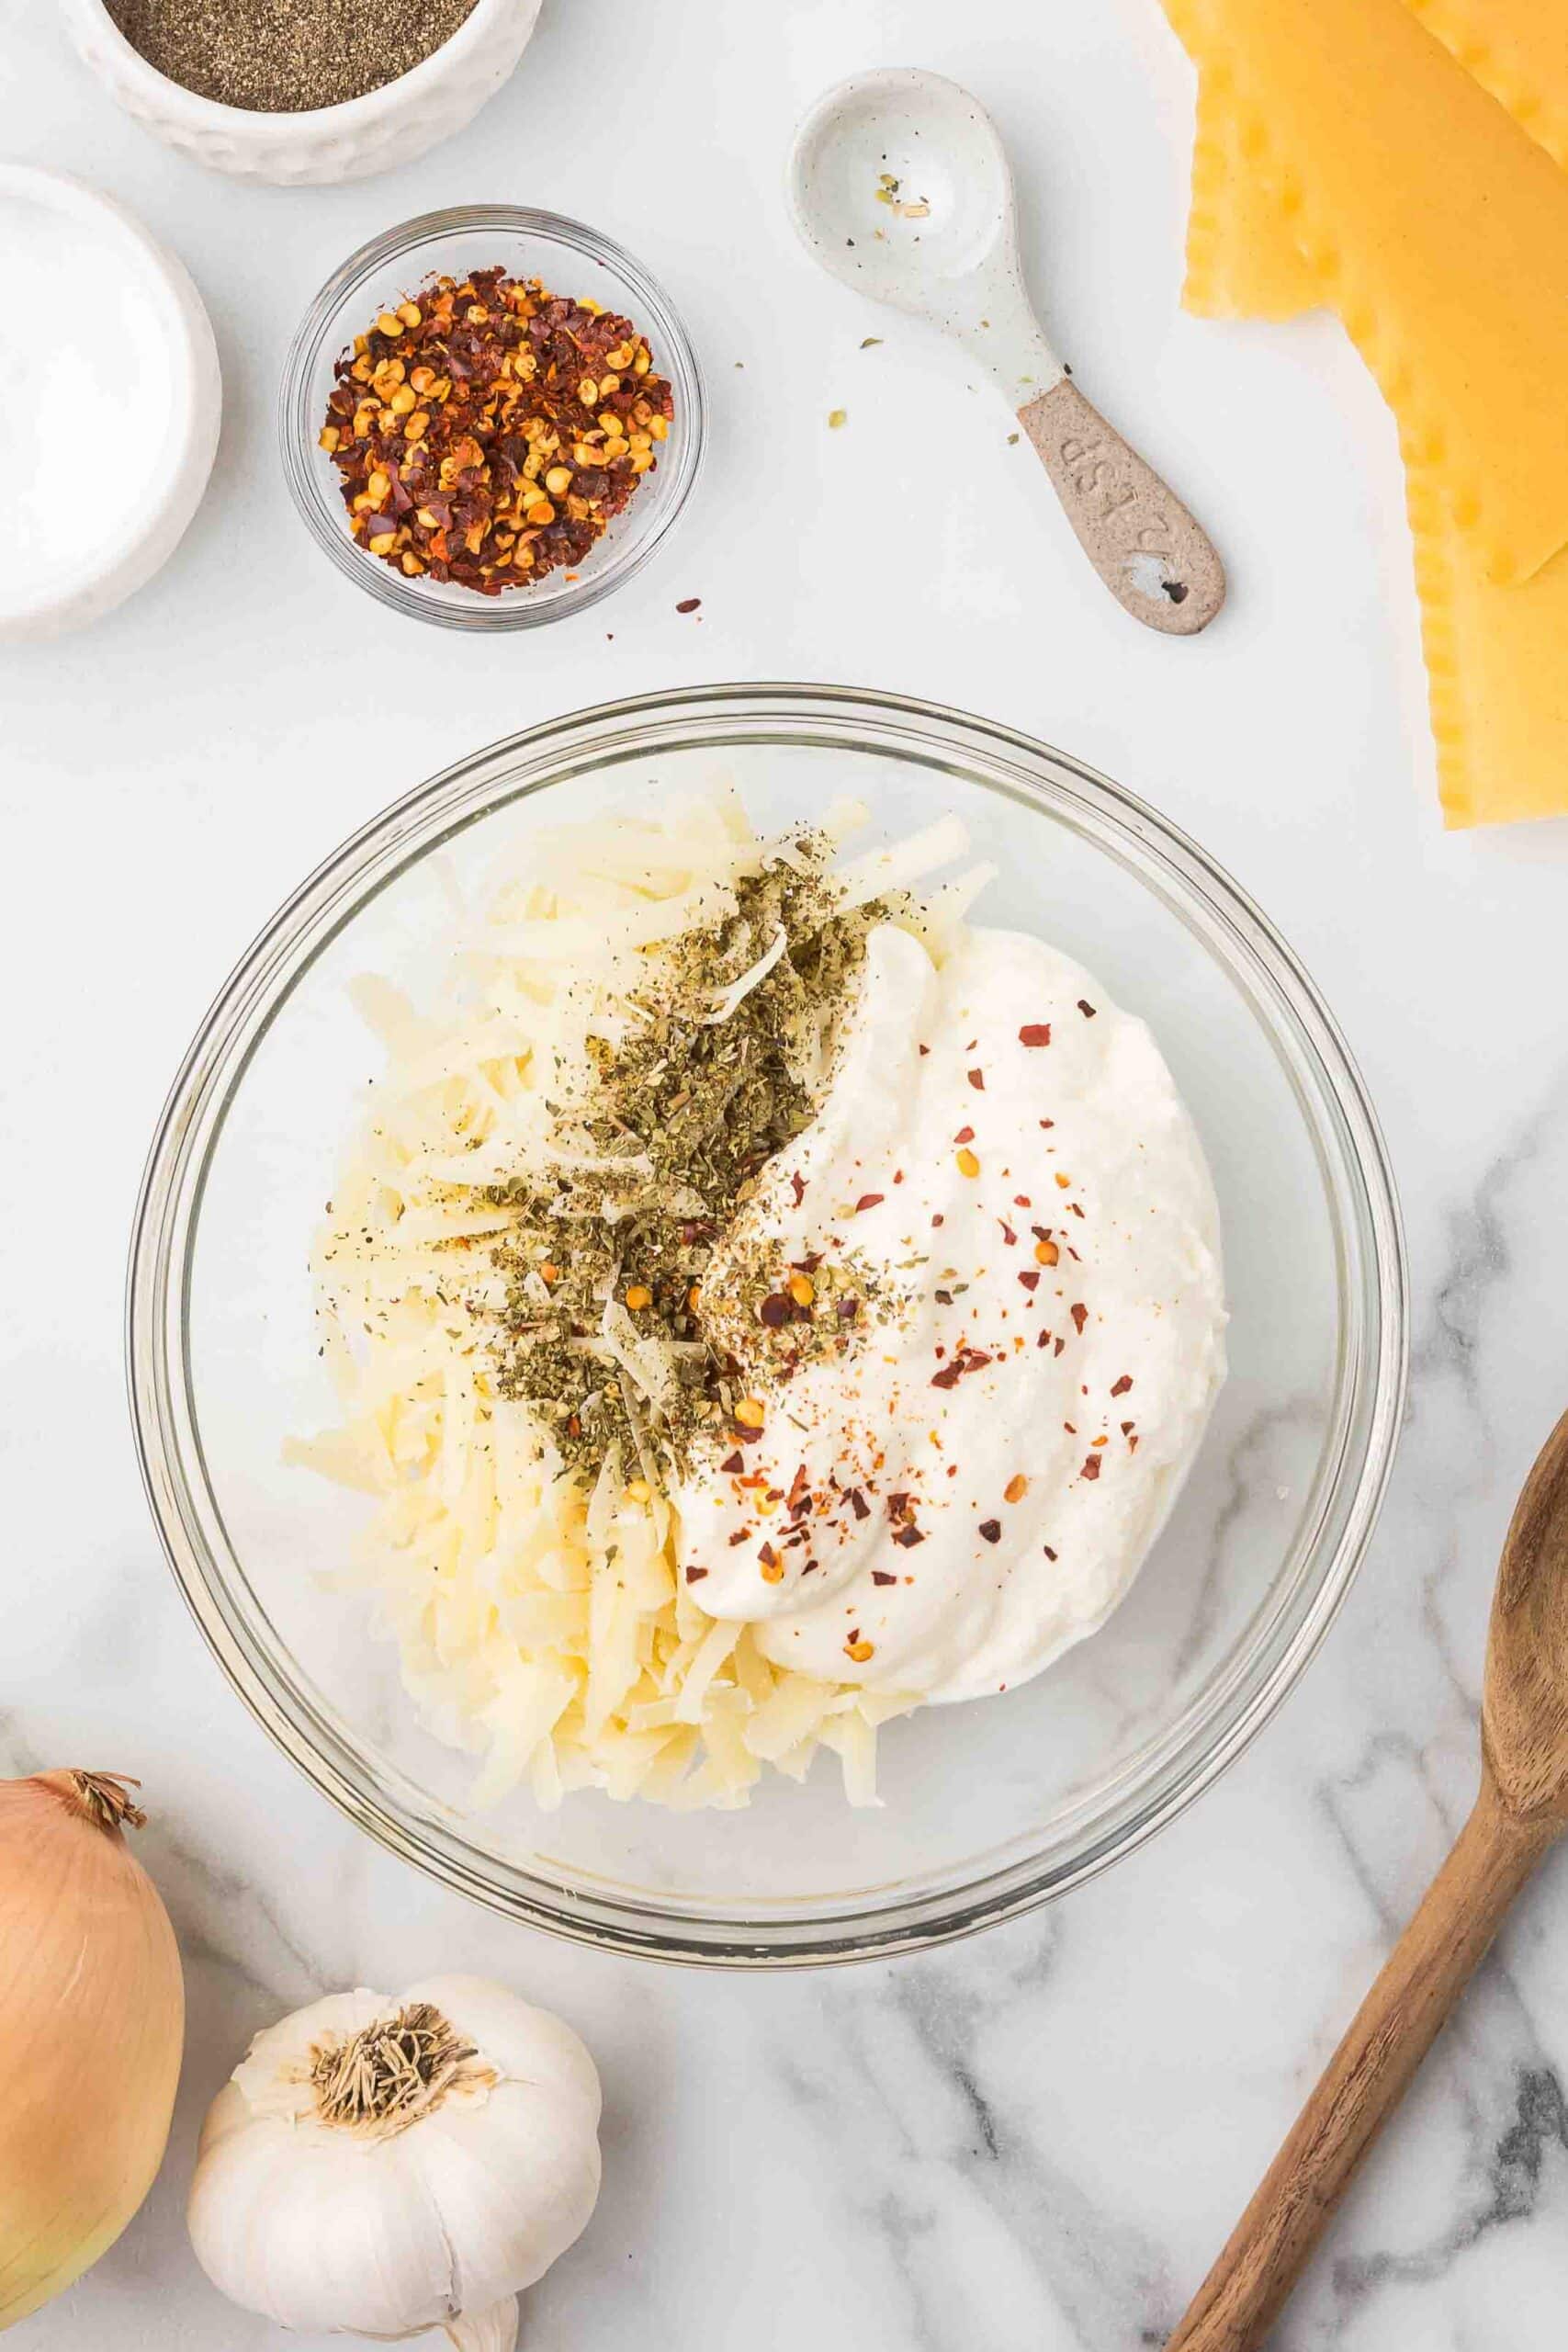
<point x="1496" y="658"/>
<point x="1425" y="216"/>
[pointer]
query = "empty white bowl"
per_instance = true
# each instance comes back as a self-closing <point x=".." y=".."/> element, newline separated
<point x="386" y="127"/>
<point x="150" y="478"/>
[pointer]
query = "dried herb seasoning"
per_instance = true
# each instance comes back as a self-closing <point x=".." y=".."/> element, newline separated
<point x="680" y="1119"/>
<point x="287" y="56"/>
<point x="488" y="431"/>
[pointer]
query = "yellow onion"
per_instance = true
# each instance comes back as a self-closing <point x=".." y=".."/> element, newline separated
<point x="92" y="2021"/>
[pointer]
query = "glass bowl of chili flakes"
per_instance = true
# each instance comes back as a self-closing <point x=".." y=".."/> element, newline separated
<point x="478" y="538"/>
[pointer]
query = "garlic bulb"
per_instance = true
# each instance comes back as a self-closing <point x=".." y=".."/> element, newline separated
<point x="377" y="2167"/>
<point x="92" y="2025"/>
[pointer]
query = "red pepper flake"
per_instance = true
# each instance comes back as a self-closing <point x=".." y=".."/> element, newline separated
<point x="1030" y="1278"/>
<point x="496" y="470"/>
<point x="909" y="1537"/>
<point x="858" y="1503"/>
<point x="1128" y="1427"/>
<point x="965" y="1135"/>
<point x="733" y="1463"/>
<point x="1008" y="1235"/>
<point x="768" y="1557"/>
<point x="1034" y="1033"/>
<point x="1022" y="1201"/>
<point x="847" y="1309"/>
<point x="1060" y="1345"/>
<point x="1086" y="1008"/>
<point x="1047" y="1549"/>
<point x="977" y="1080"/>
<point x="966" y="1360"/>
<point x="1080" y="1317"/>
<point x="925" y="1050"/>
<point x="1120" y="1387"/>
<point x="1092" y="1467"/>
<point x="883" y="1576"/>
<point x="776" y="1310"/>
<point x="738" y="1537"/>
<point x="797" y="1185"/>
<point x="991" y="1529"/>
<point x="1132" y="1445"/>
<point x="938" y="1219"/>
<point x="688" y="604"/>
<point x="869" y="1201"/>
<point x="696" y="1576"/>
<point x="1047" y="1123"/>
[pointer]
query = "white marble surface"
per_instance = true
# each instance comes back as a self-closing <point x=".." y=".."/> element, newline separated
<point x="1039" y="2138"/>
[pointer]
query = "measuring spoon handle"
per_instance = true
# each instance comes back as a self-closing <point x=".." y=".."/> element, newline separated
<point x="1366" y="2079"/>
<point x="1155" y="560"/>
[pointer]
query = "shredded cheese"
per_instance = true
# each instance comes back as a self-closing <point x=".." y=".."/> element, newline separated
<point x="542" y="1627"/>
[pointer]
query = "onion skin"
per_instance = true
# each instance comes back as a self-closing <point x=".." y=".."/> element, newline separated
<point x="92" y="2025"/>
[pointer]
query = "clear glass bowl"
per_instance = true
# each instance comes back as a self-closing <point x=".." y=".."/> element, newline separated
<point x="572" y="260"/>
<point x="990" y="1807"/>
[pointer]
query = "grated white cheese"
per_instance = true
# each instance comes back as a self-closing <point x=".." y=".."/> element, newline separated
<point x="540" y="1627"/>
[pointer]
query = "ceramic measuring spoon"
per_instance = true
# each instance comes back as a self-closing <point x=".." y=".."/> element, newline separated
<point x="901" y="187"/>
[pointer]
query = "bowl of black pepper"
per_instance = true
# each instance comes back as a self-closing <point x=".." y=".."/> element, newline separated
<point x="490" y="417"/>
<point x="284" y="91"/>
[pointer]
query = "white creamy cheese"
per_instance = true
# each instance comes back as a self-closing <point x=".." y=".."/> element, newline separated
<point x="956" y="1485"/>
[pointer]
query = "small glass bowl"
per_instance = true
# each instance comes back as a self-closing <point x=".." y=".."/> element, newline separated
<point x="572" y="260"/>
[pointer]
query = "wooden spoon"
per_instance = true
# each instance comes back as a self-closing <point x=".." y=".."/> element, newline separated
<point x="1520" y="1813"/>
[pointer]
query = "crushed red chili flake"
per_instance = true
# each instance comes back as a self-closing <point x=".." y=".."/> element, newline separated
<point x="869" y="1201"/>
<point x="991" y="1529"/>
<point x="696" y="1576"/>
<point x="1120" y="1387"/>
<point x="776" y="1310"/>
<point x="858" y="1504"/>
<point x="1079" y="1315"/>
<point x="977" y="1080"/>
<point x="487" y="431"/>
<point x="1047" y="1549"/>
<point x="1086" y="1008"/>
<point x="883" y="1576"/>
<point x="908" y="1536"/>
<point x="1029" y="1277"/>
<point x="738" y="1537"/>
<point x="1034" y="1033"/>
<point x="965" y="1135"/>
<point x="733" y="1463"/>
<point x="798" y="1186"/>
<point x="688" y="604"/>
<point x="1092" y="1467"/>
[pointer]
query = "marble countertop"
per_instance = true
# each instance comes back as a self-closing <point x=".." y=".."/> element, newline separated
<point x="1041" y="2137"/>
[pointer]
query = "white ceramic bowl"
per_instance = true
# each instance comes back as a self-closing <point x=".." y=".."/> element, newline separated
<point x="387" y="127"/>
<point x="174" y="465"/>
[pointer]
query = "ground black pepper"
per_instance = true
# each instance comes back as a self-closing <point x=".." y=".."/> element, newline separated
<point x="287" y="56"/>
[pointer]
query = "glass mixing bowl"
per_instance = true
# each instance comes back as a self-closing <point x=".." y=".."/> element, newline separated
<point x="989" y="1807"/>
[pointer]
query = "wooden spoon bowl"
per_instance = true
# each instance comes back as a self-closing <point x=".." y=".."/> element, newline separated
<point x="1521" y="1812"/>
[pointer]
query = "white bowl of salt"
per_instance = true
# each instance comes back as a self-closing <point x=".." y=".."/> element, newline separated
<point x="113" y="397"/>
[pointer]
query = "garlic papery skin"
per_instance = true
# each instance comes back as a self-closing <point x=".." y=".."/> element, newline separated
<point x="92" y="2025"/>
<point x="380" y="2164"/>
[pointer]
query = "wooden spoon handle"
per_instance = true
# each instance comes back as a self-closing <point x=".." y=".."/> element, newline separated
<point x="1366" y="2077"/>
<point x="1147" y="547"/>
